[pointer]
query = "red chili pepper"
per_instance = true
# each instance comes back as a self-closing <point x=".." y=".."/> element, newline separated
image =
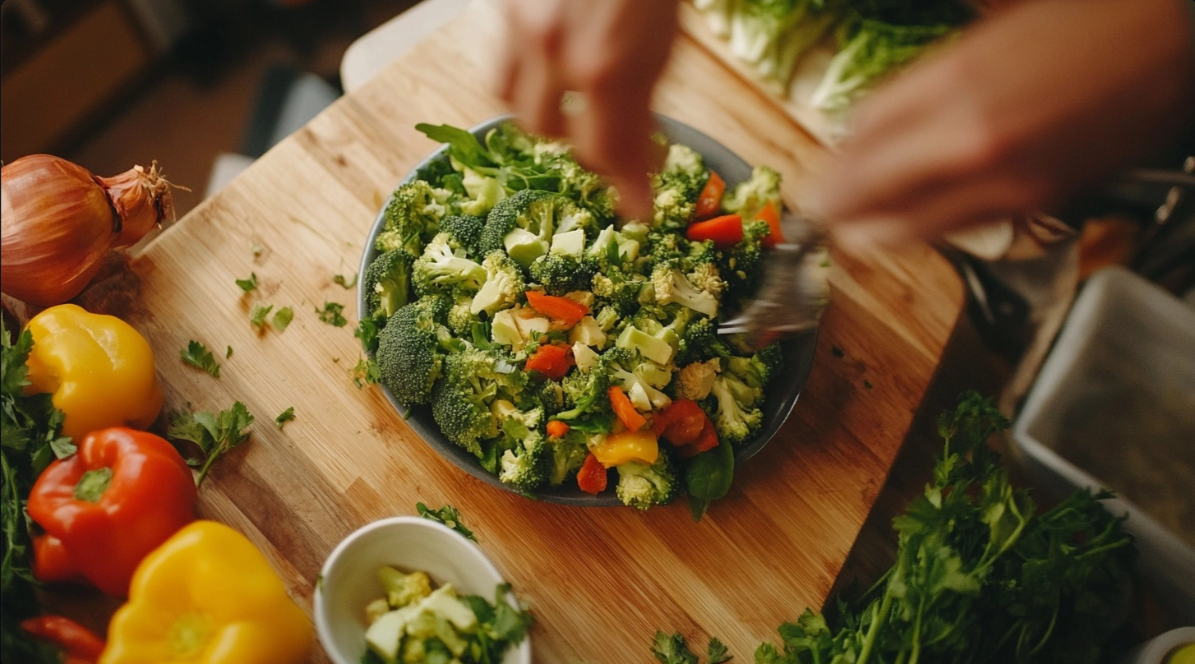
<point x="710" y="199"/>
<point x="80" y="644"/>
<point x="123" y="494"/>
<point x="726" y="231"/>
<point x="624" y="409"/>
<point x="680" y="422"/>
<point x="768" y="213"/>
<point x="592" y="476"/>
<point x="551" y="361"/>
<point x="569" y="312"/>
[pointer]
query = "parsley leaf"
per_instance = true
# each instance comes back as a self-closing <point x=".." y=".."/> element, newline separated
<point x="228" y="353"/>
<point x="248" y="284"/>
<point x="198" y="356"/>
<point x="282" y="318"/>
<point x="367" y="331"/>
<point x="213" y="433"/>
<point x="447" y="515"/>
<point x="257" y="317"/>
<point x="286" y="416"/>
<point x="344" y="283"/>
<point x="332" y="314"/>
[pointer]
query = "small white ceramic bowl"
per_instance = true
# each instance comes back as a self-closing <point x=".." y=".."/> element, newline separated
<point x="349" y="578"/>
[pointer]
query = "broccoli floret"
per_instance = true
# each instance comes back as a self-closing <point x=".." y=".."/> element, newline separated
<point x="736" y="422"/>
<point x="665" y="246"/>
<point x="537" y="213"/>
<point x="742" y="265"/>
<point x="473" y="378"/>
<point x="617" y="289"/>
<point x="443" y="268"/>
<point x="413" y="217"/>
<point x="403" y="589"/>
<point x="643" y="383"/>
<point x="503" y="284"/>
<point x="701" y="341"/>
<point x="566" y="456"/>
<point x="561" y="273"/>
<point x="757" y="370"/>
<point x="694" y="381"/>
<point x="606" y="318"/>
<point x="573" y="217"/>
<point x="409" y="354"/>
<point x="641" y="486"/>
<point x="749" y="197"/>
<point x="484" y="192"/>
<point x="671" y="285"/>
<point x="587" y="188"/>
<point x="465" y="231"/>
<point x="388" y="283"/>
<point x="551" y="397"/>
<point x="524" y="465"/>
<point x="585" y="392"/>
<point x="460" y="315"/>
<point x="677" y="187"/>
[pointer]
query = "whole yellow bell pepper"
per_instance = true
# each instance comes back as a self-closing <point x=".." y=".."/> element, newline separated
<point x="207" y="595"/>
<point x="99" y="369"/>
<point x="639" y="446"/>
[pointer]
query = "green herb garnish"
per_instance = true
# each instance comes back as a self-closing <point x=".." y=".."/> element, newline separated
<point x="214" y="433"/>
<point x="345" y="283"/>
<point x="257" y="317"/>
<point x="282" y="318"/>
<point x="332" y="314"/>
<point x="447" y="515"/>
<point x="248" y="284"/>
<point x="672" y="649"/>
<point x="284" y="417"/>
<point x="198" y="356"/>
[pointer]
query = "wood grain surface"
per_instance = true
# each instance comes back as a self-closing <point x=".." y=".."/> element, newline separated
<point x="601" y="581"/>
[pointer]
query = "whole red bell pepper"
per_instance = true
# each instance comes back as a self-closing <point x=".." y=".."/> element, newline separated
<point x="79" y="645"/>
<point x="119" y="497"/>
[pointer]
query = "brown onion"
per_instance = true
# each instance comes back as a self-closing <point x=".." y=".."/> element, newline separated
<point x="59" y="220"/>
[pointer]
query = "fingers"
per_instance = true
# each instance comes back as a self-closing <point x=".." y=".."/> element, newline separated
<point x="612" y="136"/>
<point x="529" y="78"/>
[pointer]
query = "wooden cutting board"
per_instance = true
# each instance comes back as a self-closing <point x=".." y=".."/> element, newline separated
<point x="601" y="581"/>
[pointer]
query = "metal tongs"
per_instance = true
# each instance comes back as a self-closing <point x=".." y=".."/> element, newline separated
<point x="795" y="287"/>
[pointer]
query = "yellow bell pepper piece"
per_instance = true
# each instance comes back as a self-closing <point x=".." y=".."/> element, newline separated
<point x="619" y="448"/>
<point x="207" y="595"/>
<point x="99" y="369"/>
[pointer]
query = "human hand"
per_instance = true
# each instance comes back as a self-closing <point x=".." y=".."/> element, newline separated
<point x="611" y="51"/>
<point x="1031" y="106"/>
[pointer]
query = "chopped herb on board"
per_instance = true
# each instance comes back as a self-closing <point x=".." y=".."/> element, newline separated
<point x="332" y="314"/>
<point x="198" y="356"/>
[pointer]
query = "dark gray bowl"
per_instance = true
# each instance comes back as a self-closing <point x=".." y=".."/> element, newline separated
<point x="779" y="401"/>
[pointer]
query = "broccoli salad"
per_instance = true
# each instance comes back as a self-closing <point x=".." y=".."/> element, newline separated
<point x="414" y="624"/>
<point x="555" y="341"/>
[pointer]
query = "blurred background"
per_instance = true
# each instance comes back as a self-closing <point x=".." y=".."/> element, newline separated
<point x="202" y="86"/>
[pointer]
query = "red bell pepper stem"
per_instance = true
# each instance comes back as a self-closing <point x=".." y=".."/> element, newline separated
<point x="726" y="231"/>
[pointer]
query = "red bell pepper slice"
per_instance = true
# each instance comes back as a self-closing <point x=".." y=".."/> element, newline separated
<point x="80" y="645"/>
<point x="768" y="213"/>
<point x="569" y="312"/>
<point x="710" y="199"/>
<point x="680" y="422"/>
<point x="625" y="410"/>
<point x="706" y="440"/>
<point x="592" y="476"/>
<point x="726" y="231"/>
<point x="119" y="497"/>
<point x="551" y="361"/>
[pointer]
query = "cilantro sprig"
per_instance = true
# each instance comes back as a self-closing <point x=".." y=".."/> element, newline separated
<point x="447" y="515"/>
<point x="285" y="416"/>
<point x="213" y="433"/>
<point x="333" y="314"/>
<point x="197" y="355"/>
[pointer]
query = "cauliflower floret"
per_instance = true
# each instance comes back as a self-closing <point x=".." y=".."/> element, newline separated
<point x="695" y="380"/>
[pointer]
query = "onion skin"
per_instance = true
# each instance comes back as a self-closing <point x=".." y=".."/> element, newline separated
<point x="58" y="220"/>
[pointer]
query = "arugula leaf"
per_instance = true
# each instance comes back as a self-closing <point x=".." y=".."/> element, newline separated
<point x="463" y="145"/>
<point x="198" y="356"/>
<point x="285" y="416"/>
<point x="447" y="515"/>
<point x="213" y="433"/>
<point x="282" y="318"/>
<point x="248" y="284"/>
<point x="332" y="314"/>
<point x="257" y="317"/>
<point x="344" y="283"/>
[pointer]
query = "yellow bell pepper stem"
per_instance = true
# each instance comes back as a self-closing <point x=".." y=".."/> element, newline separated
<point x="207" y="596"/>
<point x="99" y="369"/>
<point x="619" y="448"/>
